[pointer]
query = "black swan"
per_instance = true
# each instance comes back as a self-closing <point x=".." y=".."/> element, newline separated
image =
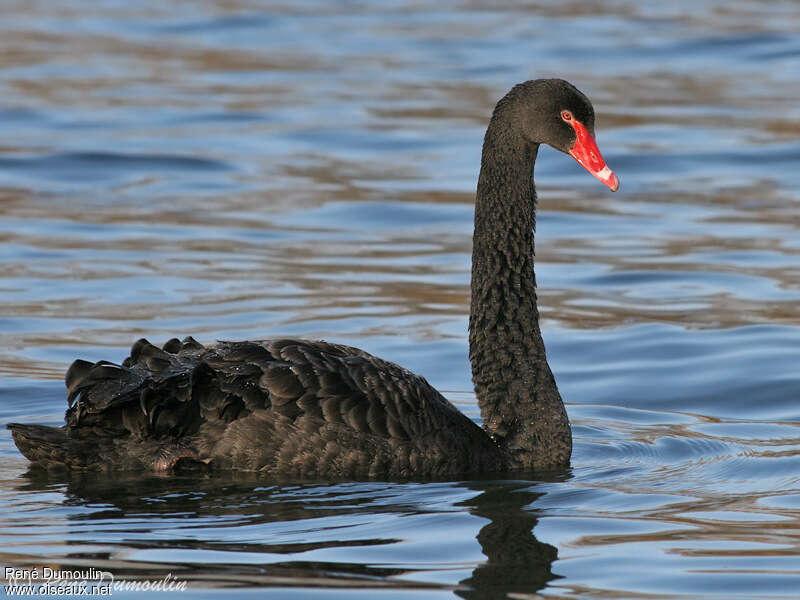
<point x="299" y="408"/>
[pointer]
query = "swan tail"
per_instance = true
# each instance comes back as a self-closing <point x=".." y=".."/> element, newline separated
<point x="61" y="448"/>
<point x="132" y="415"/>
<point x="42" y="445"/>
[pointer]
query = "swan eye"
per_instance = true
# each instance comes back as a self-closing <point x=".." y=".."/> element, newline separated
<point x="566" y="115"/>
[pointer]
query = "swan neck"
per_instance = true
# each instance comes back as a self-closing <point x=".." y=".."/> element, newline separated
<point x="520" y="404"/>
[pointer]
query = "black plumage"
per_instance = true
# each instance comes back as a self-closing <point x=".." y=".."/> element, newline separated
<point x="299" y="408"/>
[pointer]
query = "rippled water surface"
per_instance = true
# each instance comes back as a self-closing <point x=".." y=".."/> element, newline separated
<point x="236" y="168"/>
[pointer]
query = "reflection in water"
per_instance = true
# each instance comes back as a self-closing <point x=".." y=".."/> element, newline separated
<point x="516" y="562"/>
<point x="219" y="530"/>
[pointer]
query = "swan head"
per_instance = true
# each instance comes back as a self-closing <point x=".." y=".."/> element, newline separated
<point x="556" y="113"/>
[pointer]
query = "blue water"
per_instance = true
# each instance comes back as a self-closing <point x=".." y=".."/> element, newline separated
<point x="245" y="169"/>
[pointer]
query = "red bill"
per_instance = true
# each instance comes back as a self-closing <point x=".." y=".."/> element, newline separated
<point x="585" y="151"/>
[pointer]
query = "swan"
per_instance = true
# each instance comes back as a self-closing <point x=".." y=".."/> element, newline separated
<point x="296" y="408"/>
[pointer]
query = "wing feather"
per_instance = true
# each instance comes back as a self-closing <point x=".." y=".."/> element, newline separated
<point x="186" y="393"/>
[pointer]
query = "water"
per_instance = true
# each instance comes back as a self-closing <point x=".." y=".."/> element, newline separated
<point x="243" y="169"/>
